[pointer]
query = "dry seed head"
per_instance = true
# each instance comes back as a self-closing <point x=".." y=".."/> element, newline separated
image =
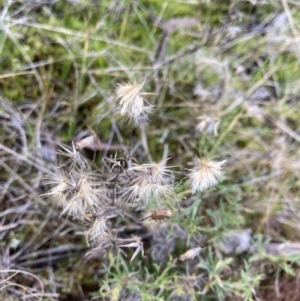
<point x="88" y="197"/>
<point x="89" y="200"/>
<point x="89" y="185"/>
<point x="205" y="174"/>
<point x="144" y="192"/>
<point x="86" y="194"/>
<point x="74" y="207"/>
<point x="98" y="231"/>
<point x="131" y="103"/>
<point x="64" y="184"/>
<point x="190" y="254"/>
<point x="157" y="173"/>
<point x="161" y="215"/>
<point x="74" y="156"/>
<point x="127" y="92"/>
<point x="150" y="183"/>
<point x="133" y="109"/>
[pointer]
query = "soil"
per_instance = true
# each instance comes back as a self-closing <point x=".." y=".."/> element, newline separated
<point x="288" y="289"/>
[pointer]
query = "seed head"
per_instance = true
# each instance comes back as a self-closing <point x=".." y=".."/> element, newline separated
<point x="88" y="197"/>
<point x="205" y="174"/>
<point x="98" y="231"/>
<point x="128" y="92"/>
<point x="131" y="103"/>
<point x="144" y="192"/>
<point x="151" y="183"/>
<point x="156" y="173"/>
<point x="63" y="185"/>
<point x="74" y="207"/>
<point x="74" y="156"/>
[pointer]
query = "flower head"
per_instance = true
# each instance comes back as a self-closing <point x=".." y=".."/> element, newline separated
<point x="205" y="174"/>
<point x="132" y="105"/>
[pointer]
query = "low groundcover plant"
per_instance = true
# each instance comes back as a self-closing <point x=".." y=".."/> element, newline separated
<point x="96" y="198"/>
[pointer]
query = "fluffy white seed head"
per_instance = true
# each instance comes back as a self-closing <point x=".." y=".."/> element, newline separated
<point x="132" y="105"/>
<point x="63" y="185"/>
<point x="88" y="196"/>
<point x="75" y="158"/>
<point x="74" y="207"/>
<point x="90" y="185"/>
<point x="98" y="231"/>
<point x="156" y="173"/>
<point x="132" y="194"/>
<point x="127" y="92"/>
<point x="150" y="183"/>
<point x="205" y="174"/>
<point x="145" y="192"/>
